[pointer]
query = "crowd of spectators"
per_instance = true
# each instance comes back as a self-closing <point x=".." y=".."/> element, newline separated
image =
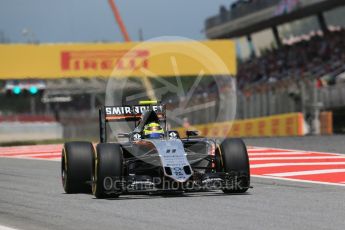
<point x="317" y="56"/>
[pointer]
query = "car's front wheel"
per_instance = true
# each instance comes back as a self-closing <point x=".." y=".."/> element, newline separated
<point x="76" y="166"/>
<point x="235" y="161"/>
<point x="107" y="171"/>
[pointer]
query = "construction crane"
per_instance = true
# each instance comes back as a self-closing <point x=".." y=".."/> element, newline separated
<point x="119" y="21"/>
<point x="148" y="86"/>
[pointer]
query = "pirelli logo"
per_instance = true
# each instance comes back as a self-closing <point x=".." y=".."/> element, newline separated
<point x="104" y="60"/>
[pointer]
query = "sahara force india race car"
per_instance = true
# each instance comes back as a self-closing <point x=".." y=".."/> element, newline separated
<point x="162" y="163"/>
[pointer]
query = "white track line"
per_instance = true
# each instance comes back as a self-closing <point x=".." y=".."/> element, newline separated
<point x="268" y="150"/>
<point x="28" y="152"/>
<point x="296" y="158"/>
<point x="278" y="153"/>
<point x="296" y="150"/>
<point x="297" y="180"/>
<point x="305" y="173"/>
<point x="28" y="148"/>
<point x="36" y="155"/>
<point x="7" y="228"/>
<point x="31" y="158"/>
<point x="268" y="165"/>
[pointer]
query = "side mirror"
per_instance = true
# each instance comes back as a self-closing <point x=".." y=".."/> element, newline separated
<point x="123" y="135"/>
<point x="190" y="133"/>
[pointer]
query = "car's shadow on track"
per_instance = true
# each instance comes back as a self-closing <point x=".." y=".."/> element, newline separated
<point x="176" y="196"/>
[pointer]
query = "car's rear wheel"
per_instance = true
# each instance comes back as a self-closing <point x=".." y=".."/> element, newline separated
<point x="76" y="166"/>
<point x="107" y="171"/>
<point x="236" y="162"/>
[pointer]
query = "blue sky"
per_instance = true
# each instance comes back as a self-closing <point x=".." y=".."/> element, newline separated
<point x="92" y="20"/>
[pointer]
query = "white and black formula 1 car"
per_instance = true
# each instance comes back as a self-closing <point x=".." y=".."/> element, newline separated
<point x="154" y="159"/>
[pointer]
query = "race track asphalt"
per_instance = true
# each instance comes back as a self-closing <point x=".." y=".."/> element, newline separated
<point x="31" y="197"/>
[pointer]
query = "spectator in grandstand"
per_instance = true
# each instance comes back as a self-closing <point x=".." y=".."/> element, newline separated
<point x="319" y="56"/>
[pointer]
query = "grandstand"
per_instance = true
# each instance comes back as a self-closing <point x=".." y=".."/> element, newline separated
<point x="291" y="56"/>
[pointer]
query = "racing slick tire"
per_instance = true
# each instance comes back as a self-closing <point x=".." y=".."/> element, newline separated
<point x="107" y="170"/>
<point x="235" y="160"/>
<point x="76" y="166"/>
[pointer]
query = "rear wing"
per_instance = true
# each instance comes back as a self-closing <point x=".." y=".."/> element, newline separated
<point x="128" y="113"/>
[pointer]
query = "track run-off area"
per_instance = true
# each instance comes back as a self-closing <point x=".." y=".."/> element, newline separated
<point x="286" y="164"/>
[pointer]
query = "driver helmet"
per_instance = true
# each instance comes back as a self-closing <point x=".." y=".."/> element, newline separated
<point x="153" y="130"/>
